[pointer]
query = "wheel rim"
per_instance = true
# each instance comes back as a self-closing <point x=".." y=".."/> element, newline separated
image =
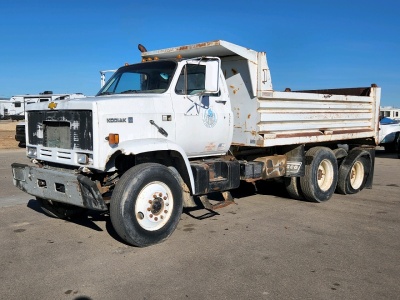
<point x="154" y="206"/>
<point x="357" y="175"/>
<point x="325" y="175"/>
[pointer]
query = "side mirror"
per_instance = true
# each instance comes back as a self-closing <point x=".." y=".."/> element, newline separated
<point x="212" y="76"/>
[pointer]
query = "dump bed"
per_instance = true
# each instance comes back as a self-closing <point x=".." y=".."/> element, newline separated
<point x="323" y="116"/>
<point x="264" y="117"/>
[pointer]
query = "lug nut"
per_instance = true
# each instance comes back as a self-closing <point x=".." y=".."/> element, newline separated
<point x="155" y="219"/>
<point x="165" y="211"/>
<point x="151" y="216"/>
<point x="151" y="202"/>
<point x="160" y="194"/>
<point x="165" y="197"/>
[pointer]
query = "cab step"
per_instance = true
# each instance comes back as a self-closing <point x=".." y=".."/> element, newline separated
<point x="228" y="199"/>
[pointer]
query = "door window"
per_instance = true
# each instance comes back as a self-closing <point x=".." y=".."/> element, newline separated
<point x="193" y="82"/>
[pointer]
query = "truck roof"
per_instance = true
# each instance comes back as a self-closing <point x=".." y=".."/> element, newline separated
<point x="218" y="48"/>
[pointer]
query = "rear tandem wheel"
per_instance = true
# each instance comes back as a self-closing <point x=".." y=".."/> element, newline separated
<point x="354" y="172"/>
<point x="321" y="174"/>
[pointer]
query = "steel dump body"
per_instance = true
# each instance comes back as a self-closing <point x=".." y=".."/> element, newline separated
<point x="296" y="117"/>
<point x="264" y="117"/>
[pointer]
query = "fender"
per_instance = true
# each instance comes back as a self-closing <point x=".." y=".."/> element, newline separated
<point x="151" y="145"/>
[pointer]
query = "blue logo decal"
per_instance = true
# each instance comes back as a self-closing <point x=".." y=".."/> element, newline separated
<point x="209" y="118"/>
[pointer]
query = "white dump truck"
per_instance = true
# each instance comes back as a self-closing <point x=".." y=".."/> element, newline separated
<point x="189" y="121"/>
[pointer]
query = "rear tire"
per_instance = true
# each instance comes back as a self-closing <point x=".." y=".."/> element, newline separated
<point x="321" y="174"/>
<point x="292" y="185"/>
<point x="340" y="154"/>
<point x="146" y="204"/>
<point x="353" y="173"/>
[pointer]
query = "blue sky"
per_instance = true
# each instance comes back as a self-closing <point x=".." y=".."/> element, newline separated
<point x="62" y="45"/>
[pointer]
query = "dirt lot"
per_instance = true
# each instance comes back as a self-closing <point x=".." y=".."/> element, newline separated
<point x="7" y="135"/>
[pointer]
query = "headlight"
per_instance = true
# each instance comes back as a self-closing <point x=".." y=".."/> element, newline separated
<point x="83" y="158"/>
<point x="32" y="152"/>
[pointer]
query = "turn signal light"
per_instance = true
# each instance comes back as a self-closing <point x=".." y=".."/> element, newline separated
<point x="113" y="138"/>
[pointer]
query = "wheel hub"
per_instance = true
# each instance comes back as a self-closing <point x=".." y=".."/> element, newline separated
<point x="321" y="174"/>
<point x="154" y="206"/>
<point x="157" y="205"/>
<point x="357" y="175"/>
<point x="325" y="175"/>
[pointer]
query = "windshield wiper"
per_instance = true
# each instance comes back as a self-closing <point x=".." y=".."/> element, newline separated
<point x="129" y="92"/>
<point x="106" y="93"/>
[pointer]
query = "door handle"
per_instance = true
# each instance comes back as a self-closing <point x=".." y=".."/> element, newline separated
<point x="160" y="129"/>
<point x="220" y="101"/>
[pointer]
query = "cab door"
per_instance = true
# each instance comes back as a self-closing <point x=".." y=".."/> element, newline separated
<point x="203" y="120"/>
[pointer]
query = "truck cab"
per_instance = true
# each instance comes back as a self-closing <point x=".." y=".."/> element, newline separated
<point x="183" y="101"/>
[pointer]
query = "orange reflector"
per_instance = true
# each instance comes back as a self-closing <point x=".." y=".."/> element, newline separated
<point x="113" y="138"/>
<point x="179" y="56"/>
<point x="155" y="58"/>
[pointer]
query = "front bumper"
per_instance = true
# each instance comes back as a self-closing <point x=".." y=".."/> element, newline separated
<point x="56" y="185"/>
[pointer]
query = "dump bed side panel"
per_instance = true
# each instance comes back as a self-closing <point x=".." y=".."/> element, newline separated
<point x="308" y="117"/>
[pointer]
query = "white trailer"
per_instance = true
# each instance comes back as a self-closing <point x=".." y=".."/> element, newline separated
<point x="3" y="108"/>
<point x="190" y="121"/>
<point x="16" y="106"/>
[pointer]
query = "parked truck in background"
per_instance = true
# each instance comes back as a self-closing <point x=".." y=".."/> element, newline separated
<point x="389" y="133"/>
<point x="189" y="121"/>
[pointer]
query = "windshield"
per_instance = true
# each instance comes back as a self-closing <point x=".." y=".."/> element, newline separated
<point x="148" y="77"/>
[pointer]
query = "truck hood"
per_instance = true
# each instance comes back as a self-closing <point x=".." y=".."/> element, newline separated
<point x="108" y="103"/>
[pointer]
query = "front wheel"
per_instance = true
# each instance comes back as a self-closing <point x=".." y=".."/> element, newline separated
<point x="321" y="174"/>
<point x="146" y="204"/>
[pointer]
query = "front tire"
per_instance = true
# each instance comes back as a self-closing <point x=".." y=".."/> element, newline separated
<point x="321" y="174"/>
<point x="146" y="204"/>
